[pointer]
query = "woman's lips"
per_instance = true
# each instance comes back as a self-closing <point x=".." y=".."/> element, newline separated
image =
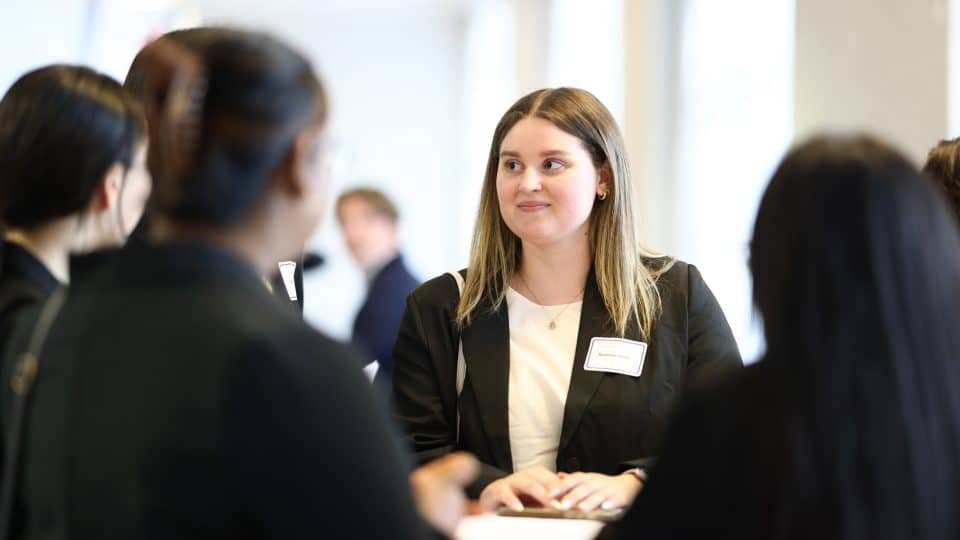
<point x="532" y="206"/>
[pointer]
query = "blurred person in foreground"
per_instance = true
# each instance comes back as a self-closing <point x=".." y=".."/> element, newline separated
<point x="285" y="278"/>
<point x="849" y="428"/>
<point x="74" y="179"/>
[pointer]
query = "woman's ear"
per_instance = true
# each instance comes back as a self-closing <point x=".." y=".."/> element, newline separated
<point x="296" y="170"/>
<point x="107" y="195"/>
<point x="98" y="222"/>
<point x="604" y="179"/>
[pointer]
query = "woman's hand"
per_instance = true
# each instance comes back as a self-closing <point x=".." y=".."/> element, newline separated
<point x="589" y="491"/>
<point x="536" y="484"/>
<point x="438" y="489"/>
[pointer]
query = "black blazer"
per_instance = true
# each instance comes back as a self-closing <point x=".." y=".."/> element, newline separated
<point x="611" y="422"/>
<point x="177" y="399"/>
<point x="140" y="237"/>
<point x="24" y="281"/>
<point x="721" y="472"/>
<point x="378" y="321"/>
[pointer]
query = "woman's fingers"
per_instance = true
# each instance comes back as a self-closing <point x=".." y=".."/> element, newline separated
<point x="594" y="501"/>
<point x="579" y="493"/>
<point x="509" y="499"/>
<point x="500" y="493"/>
<point x="568" y="482"/>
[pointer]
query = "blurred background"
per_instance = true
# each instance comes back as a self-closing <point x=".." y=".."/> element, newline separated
<point x="709" y="94"/>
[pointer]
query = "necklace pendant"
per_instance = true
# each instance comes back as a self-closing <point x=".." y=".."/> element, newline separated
<point x="552" y="325"/>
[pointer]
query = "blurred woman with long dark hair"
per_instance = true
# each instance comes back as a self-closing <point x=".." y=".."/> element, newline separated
<point x="73" y="176"/>
<point x="849" y="428"/>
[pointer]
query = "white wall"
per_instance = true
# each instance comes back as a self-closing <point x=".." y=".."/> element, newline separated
<point x="27" y="31"/>
<point x="650" y="102"/>
<point x="877" y="65"/>
<point x="586" y="49"/>
<point x="103" y="34"/>
<point x="734" y="121"/>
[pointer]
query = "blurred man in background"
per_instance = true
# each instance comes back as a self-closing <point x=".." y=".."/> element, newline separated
<point x="369" y="219"/>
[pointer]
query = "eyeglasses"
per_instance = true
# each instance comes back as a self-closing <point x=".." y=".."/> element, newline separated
<point x="339" y="156"/>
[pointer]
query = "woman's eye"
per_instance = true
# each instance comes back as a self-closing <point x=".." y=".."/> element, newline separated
<point x="553" y="165"/>
<point x="511" y="165"/>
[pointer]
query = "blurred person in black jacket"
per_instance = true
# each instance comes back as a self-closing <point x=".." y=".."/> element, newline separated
<point x="73" y="146"/>
<point x="849" y="428"/>
<point x="289" y="290"/>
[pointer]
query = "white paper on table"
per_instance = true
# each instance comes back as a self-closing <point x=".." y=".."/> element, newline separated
<point x="490" y="526"/>
<point x="371" y="369"/>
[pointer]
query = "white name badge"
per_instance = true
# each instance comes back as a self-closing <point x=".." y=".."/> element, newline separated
<point x="371" y="369"/>
<point x="616" y="355"/>
<point x="287" y="271"/>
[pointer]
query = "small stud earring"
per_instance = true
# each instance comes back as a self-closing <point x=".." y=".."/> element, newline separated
<point x="602" y="195"/>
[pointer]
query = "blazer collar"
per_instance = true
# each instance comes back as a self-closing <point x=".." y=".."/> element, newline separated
<point x="486" y="352"/>
<point x="180" y="262"/>
<point x="16" y="260"/>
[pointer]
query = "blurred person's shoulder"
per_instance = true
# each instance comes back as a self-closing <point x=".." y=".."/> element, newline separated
<point x="727" y="399"/>
<point x="200" y="294"/>
<point x="301" y="348"/>
<point x="273" y="341"/>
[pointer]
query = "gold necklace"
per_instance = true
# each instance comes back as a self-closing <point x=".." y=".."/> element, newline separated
<point x="553" y="321"/>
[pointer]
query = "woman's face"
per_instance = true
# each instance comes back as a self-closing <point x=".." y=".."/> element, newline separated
<point x="316" y="166"/>
<point x="546" y="183"/>
<point x="135" y="192"/>
<point x="116" y="207"/>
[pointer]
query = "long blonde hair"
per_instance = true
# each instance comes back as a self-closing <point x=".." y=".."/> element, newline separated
<point x="627" y="284"/>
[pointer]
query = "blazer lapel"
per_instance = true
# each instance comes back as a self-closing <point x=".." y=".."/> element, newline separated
<point x="594" y="322"/>
<point x="486" y="351"/>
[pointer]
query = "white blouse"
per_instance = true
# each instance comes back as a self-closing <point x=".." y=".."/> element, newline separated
<point x="541" y="363"/>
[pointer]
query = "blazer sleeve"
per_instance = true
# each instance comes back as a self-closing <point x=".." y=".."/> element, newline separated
<point x="668" y="499"/>
<point x="424" y="374"/>
<point x="711" y="347"/>
<point x="418" y="390"/>
<point x="710" y="465"/>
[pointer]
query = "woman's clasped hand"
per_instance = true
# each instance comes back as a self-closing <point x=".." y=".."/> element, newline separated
<point x="540" y="487"/>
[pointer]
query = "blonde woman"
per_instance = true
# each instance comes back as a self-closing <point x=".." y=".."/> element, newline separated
<point x="575" y="341"/>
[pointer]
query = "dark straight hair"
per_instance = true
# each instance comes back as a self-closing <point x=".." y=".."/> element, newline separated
<point x="856" y="274"/>
<point x="61" y="128"/>
<point x="259" y="93"/>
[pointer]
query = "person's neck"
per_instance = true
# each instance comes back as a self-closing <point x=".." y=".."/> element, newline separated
<point x="49" y="243"/>
<point x="250" y="245"/>
<point x="554" y="274"/>
<point x="377" y="263"/>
